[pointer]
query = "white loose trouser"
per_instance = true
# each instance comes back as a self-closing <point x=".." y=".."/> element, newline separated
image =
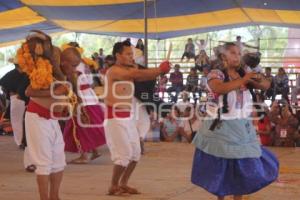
<point x="17" y="109"/>
<point x="123" y="140"/>
<point x="45" y="144"/>
<point x="27" y="160"/>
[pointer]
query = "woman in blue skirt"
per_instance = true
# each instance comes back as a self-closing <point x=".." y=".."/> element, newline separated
<point x="229" y="159"/>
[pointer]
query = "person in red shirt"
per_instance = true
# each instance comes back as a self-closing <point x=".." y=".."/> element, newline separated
<point x="264" y="129"/>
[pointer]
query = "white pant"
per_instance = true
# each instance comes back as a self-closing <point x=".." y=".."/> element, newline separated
<point x="45" y="144"/>
<point x="123" y="141"/>
<point x="17" y="109"/>
<point x="141" y="118"/>
<point x="27" y="161"/>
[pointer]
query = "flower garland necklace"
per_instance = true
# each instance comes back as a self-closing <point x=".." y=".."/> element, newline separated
<point x="39" y="70"/>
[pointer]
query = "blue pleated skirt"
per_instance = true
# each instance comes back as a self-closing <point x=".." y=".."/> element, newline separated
<point x="222" y="177"/>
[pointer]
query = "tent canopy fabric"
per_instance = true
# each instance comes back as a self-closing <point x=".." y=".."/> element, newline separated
<point x="167" y="18"/>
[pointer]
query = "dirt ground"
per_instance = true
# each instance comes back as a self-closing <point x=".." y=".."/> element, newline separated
<point x="163" y="174"/>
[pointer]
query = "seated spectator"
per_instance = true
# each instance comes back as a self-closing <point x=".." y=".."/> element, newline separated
<point x="171" y="126"/>
<point x="153" y="134"/>
<point x="184" y="104"/>
<point x="281" y="84"/>
<point x="189" y="50"/>
<point x="192" y="82"/>
<point x="176" y="79"/>
<point x="270" y="92"/>
<point x="203" y="81"/>
<point x="191" y="124"/>
<point x="264" y="129"/>
<point x="162" y="85"/>
<point x="165" y="111"/>
<point x="201" y="61"/>
<point x="296" y="91"/>
<point x="286" y="124"/>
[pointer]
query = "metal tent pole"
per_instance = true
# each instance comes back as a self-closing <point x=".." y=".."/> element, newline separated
<point x="146" y="33"/>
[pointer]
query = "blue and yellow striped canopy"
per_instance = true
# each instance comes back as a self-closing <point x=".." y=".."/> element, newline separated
<point x="167" y="18"/>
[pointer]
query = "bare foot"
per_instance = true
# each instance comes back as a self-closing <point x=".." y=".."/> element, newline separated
<point x="117" y="191"/>
<point x="79" y="160"/>
<point x="130" y="190"/>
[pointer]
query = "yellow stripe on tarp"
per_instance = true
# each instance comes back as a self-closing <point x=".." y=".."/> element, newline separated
<point x="186" y="22"/>
<point x="291" y="17"/>
<point x="274" y="16"/>
<point x="76" y="2"/>
<point x="203" y="20"/>
<point x="19" y="17"/>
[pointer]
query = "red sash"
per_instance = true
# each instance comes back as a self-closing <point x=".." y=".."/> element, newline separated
<point x="117" y="113"/>
<point x="41" y="111"/>
<point x="84" y="87"/>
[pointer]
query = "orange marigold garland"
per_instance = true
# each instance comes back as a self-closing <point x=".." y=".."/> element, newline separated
<point x="25" y="59"/>
<point x="39" y="71"/>
<point x="41" y="76"/>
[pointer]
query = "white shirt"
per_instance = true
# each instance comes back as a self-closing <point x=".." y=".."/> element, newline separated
<point x="201" y="46"/>
<point x="85" y="78"/>
<point x="239" y="101"/>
